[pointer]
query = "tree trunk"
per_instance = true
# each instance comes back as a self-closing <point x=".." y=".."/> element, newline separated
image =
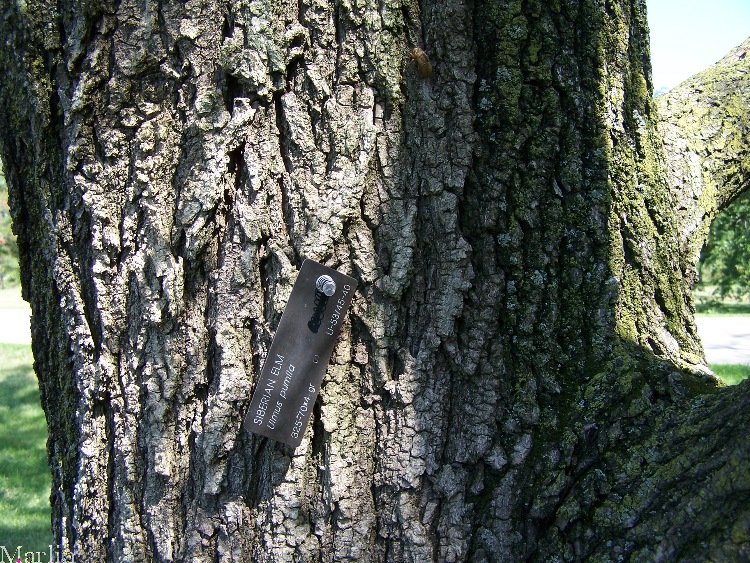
<point x="519" y="377"/>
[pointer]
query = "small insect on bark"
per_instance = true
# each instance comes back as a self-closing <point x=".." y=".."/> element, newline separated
<point x="423" y="63"/>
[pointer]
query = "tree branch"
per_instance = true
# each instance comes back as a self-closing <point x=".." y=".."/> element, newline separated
<point x="705" y="126"/>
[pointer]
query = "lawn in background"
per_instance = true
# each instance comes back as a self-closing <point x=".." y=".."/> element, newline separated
<point x="24" y="474"/>
<point x="708" y="303"/>
<point x="722" y="308"/>
<point x="731" y="374"/>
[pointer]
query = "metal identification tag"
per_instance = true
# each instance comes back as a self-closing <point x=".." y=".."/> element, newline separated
<point x="290" y="379"/>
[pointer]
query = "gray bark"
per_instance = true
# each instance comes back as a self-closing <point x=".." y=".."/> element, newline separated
<point x="519" y="377"/>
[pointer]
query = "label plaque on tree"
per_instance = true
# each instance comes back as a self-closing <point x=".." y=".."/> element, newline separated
<point x="301" y="349"/>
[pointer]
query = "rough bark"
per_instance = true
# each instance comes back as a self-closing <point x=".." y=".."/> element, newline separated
<point x="705" y="127"/>
<point x="520" y="376"/>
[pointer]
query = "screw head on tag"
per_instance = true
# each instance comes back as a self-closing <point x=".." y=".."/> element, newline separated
<point x="326" y="285"/>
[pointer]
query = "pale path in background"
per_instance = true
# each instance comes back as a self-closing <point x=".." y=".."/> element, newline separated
<point x="15" y="314"/>
<point x="726" y="340"/>
<point x="14" y="326"/>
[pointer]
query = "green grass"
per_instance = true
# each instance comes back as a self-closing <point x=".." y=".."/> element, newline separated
<point x="731" y="374"/>
<point x="722" y="308"/>
<point x="24" y="475"/>
<point x="708" y="303"/>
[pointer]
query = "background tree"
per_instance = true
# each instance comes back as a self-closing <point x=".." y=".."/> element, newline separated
<point x="725" y="258"/>
<point x="520" y="376"/>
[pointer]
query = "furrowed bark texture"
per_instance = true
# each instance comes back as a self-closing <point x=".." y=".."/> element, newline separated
<point x="519" y="377"/>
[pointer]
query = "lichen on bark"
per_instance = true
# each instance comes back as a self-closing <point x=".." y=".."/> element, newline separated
<point x="705" y="127"/>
